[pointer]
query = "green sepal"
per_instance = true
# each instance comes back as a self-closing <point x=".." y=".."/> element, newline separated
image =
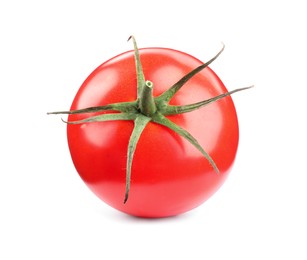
<point x="104" y="117"/>
<point x="126" y="107"/>
<point x="139" y="70"/>
<point x="168" y="94"/>
<point x="175" y="110"/>
<point x="140" y="123"/>
<point x="162" y="120"/>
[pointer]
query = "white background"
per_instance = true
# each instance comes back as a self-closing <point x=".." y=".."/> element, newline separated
<point x="48" y="48"/>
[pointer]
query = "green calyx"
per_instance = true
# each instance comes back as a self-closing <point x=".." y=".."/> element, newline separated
<point x="147" y="108"/>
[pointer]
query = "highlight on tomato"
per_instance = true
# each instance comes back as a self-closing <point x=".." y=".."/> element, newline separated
<point x="153" y="132"/>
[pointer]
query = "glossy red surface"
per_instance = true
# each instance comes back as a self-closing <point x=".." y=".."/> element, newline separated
<point x="169" y="175"/>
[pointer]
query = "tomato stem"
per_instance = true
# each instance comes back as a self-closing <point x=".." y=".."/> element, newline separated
<point x="147" y="103"/>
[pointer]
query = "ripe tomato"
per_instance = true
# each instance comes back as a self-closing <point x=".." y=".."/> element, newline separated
<point x="169" y="176"/>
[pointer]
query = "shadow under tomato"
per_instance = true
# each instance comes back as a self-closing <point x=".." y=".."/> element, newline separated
<point x="120" y="216"/>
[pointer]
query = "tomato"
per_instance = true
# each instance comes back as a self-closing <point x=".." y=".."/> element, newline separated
<point x="169" y="174"/>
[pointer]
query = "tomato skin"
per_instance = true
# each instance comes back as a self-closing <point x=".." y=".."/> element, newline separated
<point x="169" y="175"/>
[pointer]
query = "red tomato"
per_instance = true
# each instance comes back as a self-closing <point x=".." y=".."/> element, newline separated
<point x="169" y="176"/>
